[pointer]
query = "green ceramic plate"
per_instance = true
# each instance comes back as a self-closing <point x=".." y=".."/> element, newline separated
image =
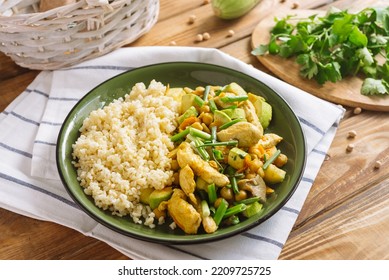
<point x="180" y="74"/>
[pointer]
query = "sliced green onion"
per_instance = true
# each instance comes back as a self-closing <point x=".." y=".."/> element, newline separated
<point x="218" y="154"/>
<point x="229" y="99"/>
<point x="206" y="93"/>
<point x="224" y="126"/>
<point x="220" y="211"/>
<point x="199" y="133"/>
<point x="214" y="134"/>
<point x="249" y="200"/>
<point x="226" y="143"/>
<point x="271" y="159"/>
<point x="201" y="150"/>
<point x="234" y="185"/>
<point x="212" y="105"/>
<point x="205" y="208"/>
<point x="179" y="135"/>
<point x="192" y="138"/>
<point x="233" y="220"/>
<point x="235" y="210"/>
<point x="231" y="107"/>
<point x="212" y="196"/>
<point x="217" y="92"/>
<point x="198" y="101"/>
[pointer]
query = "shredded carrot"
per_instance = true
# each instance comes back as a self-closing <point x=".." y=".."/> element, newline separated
<point x="188" y="122"/>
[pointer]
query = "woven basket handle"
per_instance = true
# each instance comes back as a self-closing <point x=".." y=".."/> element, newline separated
<point x="94" y="3"/>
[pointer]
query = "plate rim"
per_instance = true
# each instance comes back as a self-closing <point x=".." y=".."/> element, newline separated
<point x="185" y="239"/>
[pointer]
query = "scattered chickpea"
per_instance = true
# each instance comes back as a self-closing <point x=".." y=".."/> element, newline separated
<point x="205" y="2"/>
<point x="207" y="118"/>
<point x="231" y="33"/>
<point x="350" y="147"/>
<point x="295" y="5"/>
<point x="176" y="179"/>
<point x="206" y="36"/>
<point x="174" y="165"/>
<point x="197" y="125"/>
<point x="205" y="128"/>
<point x="217" y="202"/>
<point x="351" y="134"/>
<point x="173" y="43"/>
<point x="192" y="19"/>
<point x="240" y="195"/>
<point x="205" y="109"/>
<point x="357" y="110"/>
<point x="226" y="193"/>
<point x="199" y="38"/>
<point x="377" y="164"/>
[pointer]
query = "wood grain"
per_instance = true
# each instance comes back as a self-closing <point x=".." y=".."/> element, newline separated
<point x="345" y="227"/>
<point x="345" y="92"/>
<point x="345" y="215"/>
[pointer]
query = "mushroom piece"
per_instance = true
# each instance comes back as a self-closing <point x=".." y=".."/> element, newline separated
<point x="256" y="186"/>
<point x="246" y="133"/>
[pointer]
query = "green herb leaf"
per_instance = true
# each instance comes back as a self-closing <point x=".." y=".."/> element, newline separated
<point x="372" y="86"/>
<point x="336" y="45"/>
<point x="260" y="50"/>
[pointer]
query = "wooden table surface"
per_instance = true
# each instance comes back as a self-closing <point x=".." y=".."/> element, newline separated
<point x="346" y="214"/>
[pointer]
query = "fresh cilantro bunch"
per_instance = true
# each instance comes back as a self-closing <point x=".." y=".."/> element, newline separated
<point x="337" y="45"/>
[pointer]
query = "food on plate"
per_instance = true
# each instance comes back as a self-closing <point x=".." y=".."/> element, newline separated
<point x="198" y="159"/>
<point x="336" y="45"/>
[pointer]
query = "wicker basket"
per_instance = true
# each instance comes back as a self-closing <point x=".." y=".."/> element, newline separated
<point x="70" y="34"/>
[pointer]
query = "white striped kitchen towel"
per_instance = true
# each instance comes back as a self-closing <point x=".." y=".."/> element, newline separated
<point x="29" y="181"/>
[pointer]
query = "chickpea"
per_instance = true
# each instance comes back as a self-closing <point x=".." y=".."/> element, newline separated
<point x="242" y="194"/>
<point x="255" y="165"/>
<point x="205" y="128"/>
<point x="176" y="179"/>
<point x="207" y="118"/>
<point x="250" y="176"/>
<point x="230" y="33"/>
<point x="197" y="125"/>
<point x="281" y="160"/>
<point x="205" y="109"/>
<point x="199" y="90"/>
<point x="192" y="19"/>
<point x="261" y="172"/>
<point x="227" y="193"/>
<point x="206" y="36"/>
<point x="199" y="38"/>
<point x="217" y="202"/>
<point x="175" y="165"/>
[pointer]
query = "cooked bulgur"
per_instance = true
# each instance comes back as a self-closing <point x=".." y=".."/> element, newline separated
<point x="123" y="148"/>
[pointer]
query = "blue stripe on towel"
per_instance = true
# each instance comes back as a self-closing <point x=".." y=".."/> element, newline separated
<point x="44" y="143"/>
<point x="36" y="188"/>
<point x="311" y="125"/>
<point x="14" y="150"/>
<point x="262" y="238"/>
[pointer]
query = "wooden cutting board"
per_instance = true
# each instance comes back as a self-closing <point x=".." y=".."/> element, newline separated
<point x="345" y="92"/>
